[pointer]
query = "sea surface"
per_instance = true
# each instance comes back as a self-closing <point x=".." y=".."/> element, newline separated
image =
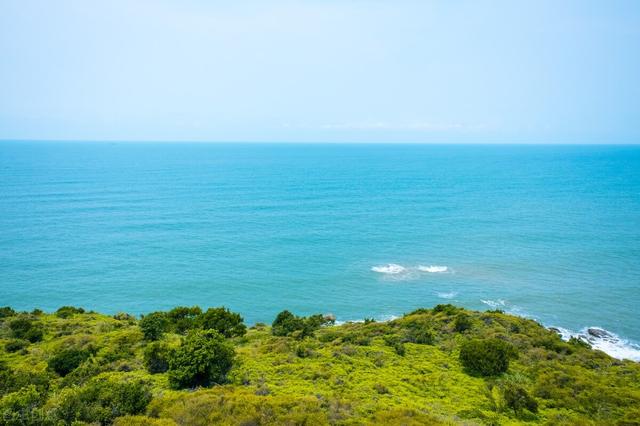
<point x="362" y="230"/>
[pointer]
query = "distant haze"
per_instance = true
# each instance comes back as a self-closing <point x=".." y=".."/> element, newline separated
<point x="325" y="71"/>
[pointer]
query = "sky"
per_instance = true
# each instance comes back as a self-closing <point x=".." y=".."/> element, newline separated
<point x="540" y="71"/>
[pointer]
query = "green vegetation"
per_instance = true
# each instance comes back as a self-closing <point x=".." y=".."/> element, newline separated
<point x="187" y="366"/>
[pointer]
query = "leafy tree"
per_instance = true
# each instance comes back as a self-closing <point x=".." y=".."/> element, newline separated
<point x="67" y="360"/>
<point x="156" y="357"/>
<point x="68" y="311"/>
<point x="203" y="359"/>
<point x="222" y="320"/>
<point x="486" y="357"/>
<point x="154" y="325"/>
<point x="183" y="318"/>
<point x="24" y="328"/>
<point x="288" y="324"/>
<point x="6" y="311"/>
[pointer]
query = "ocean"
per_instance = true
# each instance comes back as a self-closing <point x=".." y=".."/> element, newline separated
<point x="356" y="230"/>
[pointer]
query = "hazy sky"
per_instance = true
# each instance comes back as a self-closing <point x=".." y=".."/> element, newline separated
<point x="324" y="70"/>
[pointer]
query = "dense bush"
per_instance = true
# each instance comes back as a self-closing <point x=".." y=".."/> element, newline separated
<point x="68" y="311"/>
<point x="288" y="324"/>
<point x="420" y="334"/>
<point x="101" y="401"/>
<point x="183" y="318"/>
<point x="203" y="359"/>
<point x="154" y="325"/>
<point x="518" y="399"/>
<point x="485" y="357"/>
<point x="22" y="407"/>
<point x="462" y="323"/>
<point x="156" y="357"/>
<point x="16" y="345"/>
<point x="24" y="328"/>
<point x="447" y="309"/>
<point x="67" y="360"/>
<point x="222" y="320"/>
<point x="6" y="312"/>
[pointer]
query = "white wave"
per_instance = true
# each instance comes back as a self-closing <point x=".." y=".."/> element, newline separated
<point x="603" y="340"/>
<point x="391" y="268"/>
<point x="448" y="295"/>
<point x="434" y="269"/>
<point x="494" y="303"/>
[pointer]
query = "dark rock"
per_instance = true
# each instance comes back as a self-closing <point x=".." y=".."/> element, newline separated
<point x="598" y="332"/>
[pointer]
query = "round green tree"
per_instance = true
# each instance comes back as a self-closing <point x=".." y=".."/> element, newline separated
<point x="203" y="359"/>
<point x="485" y="357"/>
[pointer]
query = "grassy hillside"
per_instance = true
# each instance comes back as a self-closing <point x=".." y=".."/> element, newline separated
<point x="435" y="366"/>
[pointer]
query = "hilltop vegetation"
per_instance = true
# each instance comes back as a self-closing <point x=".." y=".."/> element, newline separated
<point x="444" y="365"/>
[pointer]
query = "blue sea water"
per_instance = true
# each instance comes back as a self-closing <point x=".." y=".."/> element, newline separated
<point x="549" y="232"/>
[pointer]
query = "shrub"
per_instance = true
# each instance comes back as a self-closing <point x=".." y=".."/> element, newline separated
<point x="7" y="311"/>
<point x="123" y="316"/>
<point x="24" y="328"/>
<point x="203" y="359"/>
<point x="420" y="335"/>
<point x="447" y="309"/>
<point x="68" y="311"/>
<point x="462" y="322"/>
<point x="516" y="397"/>
<point x="20" y="326"/>
<point x="222" y="320"/>
<point x="101" y="401"/>
<point x="35" y="334"/>
<point x="67" y="360"/>
<point x="183" y="318"/>
<point x="21" y="407"/>
<point x="156" y="357"/>
<point x="154" y="325"/>
<point x="486" y="357"/>
<point x="288" y="324"/>
<point x="15" y="345"/>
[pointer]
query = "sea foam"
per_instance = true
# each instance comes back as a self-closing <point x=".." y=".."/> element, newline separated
<point x="391" y="268"/>
<point x="434" y="269"/>
<point x="603" y="340"/>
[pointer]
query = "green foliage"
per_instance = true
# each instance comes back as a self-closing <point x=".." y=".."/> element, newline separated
<point x="222" y="320"/>
<point x="183" y="318"/>
<point x="68" y="311"/>
<point x="355" y="373"/>
<point x="7" y="311"/>
<point x="462" y="323"/>
<point x="156" y="357"/>
<point x="447" y="309"/>
<point x="517" y="398"/>
<point x="67" y="360"/>
<point x="21" y="407"/>
<point x="203" y="359"/>
<point x="24" y="328"/>
<point x="16" y="345"/>
<point x="487" y="357"/>
<point x="154" y="325"/>
<point x="101" y="400"/>
<point x="288" y="324"/>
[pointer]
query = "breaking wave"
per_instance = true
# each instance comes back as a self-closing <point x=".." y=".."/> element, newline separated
<point x="433" y="269"/>
<point x="391" y="268"/>
<point x="603" y="340"/>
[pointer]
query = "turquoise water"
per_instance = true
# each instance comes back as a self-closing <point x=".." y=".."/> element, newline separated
<point x="550" y="232"/>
